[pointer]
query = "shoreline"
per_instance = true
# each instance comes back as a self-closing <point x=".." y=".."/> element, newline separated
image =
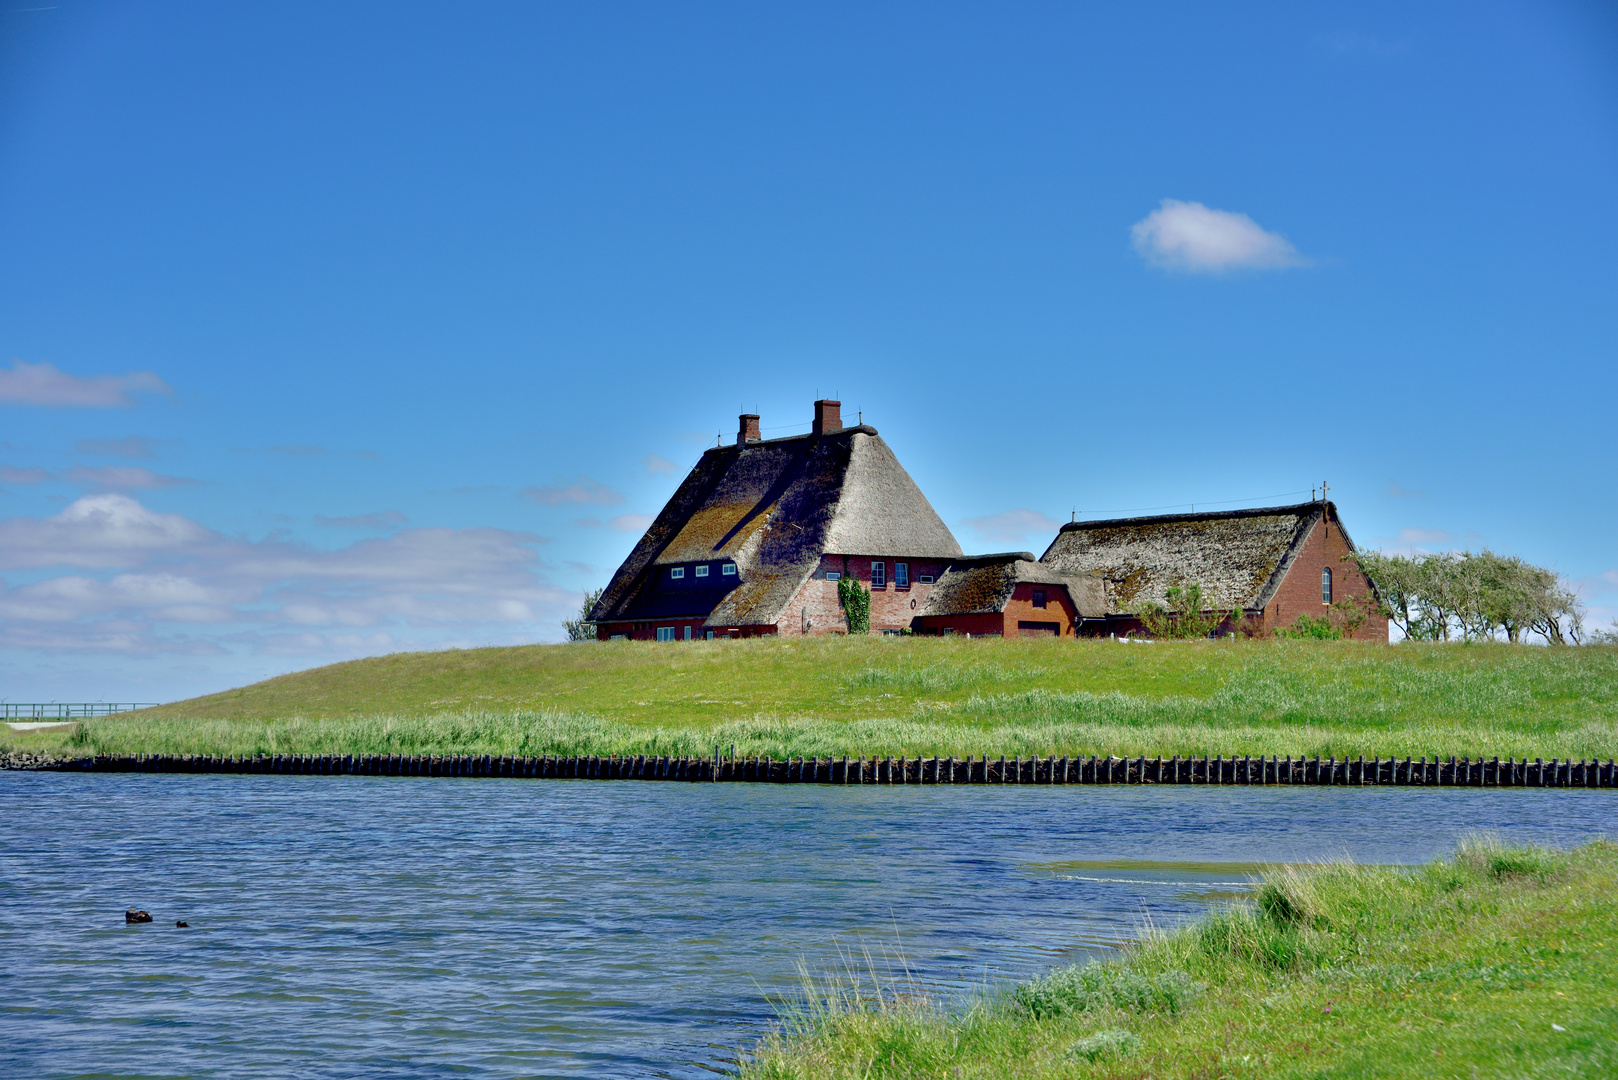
<point x="1240" y="771"/>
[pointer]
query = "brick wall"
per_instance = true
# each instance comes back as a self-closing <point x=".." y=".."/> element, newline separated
<point x="1300" y="591"/>
<point x="892" y="607"/>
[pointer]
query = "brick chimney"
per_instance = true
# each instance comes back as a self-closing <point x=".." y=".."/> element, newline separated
<point x="828" y="417"/>
<point x="746" y="428"/>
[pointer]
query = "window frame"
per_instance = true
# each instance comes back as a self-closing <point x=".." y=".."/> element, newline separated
<point x="834" y="575"/>
<point x="676" y="573"/>
<point x="1039" y="598"/>
<point x="924" y="579"/>
<point x="879" y="574"/>
<point x="901" y="575"/>
<point x="1325" y="585"/>
<point x="728" y="570"/>
<point x="665" y="633"/>
<point x="700" y="570"/>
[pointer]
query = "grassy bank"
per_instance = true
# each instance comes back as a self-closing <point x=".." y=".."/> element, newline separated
<point x="905" y="696"/>
<point x="1498" y="962"/>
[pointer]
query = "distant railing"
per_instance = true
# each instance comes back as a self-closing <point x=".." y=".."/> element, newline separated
<point x="67" y="710"/>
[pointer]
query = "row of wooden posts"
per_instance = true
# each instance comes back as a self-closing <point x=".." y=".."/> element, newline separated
<point x="1465" y="772"/>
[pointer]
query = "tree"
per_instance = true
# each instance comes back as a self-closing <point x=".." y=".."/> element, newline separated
<point x="581" y="628"/>
<point x="856" y="604"/>
<point x="1184" y="616"/>
<point x="1477" y="595"/>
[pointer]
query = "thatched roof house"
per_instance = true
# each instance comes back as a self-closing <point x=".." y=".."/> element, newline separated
<point x="751" y="538"/>
<point x="1273" y="564"/>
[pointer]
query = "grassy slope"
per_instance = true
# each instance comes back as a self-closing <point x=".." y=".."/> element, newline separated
<point x="916" y="696"/>
<point x="1459" y="968"/>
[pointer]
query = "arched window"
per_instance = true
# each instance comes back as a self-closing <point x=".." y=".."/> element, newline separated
<point x="1325" y="585"/>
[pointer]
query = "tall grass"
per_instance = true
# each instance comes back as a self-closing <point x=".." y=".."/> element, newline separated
<point x="1036" y="725"/>
<point x="1456" y="968"/>
<point x="877" y="697"/>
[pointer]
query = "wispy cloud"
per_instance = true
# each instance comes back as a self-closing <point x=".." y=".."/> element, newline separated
<point x="1410" y="541"/>
<point x="1013" y="526"/>
<point x="381" y="519"/>
<point x="657" y="463"/>
<point x="1190" y="237"/>
<point x="1399" y="491"/>
<point x="10" y="475"/>
<point x="122" y="478"/>
<point x="631" y="523"/>
<point x="44" y="384"/>
<point x="129" y="576"/>
<point x="583" y="491"/>
<point x="132" y="446"/>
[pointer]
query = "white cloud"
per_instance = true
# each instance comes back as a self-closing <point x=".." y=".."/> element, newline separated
<point x="582" y="491"/>
<point x="657" y="463"/>
<point x="1013" y="526"/>
<point x="1399" y="491"/>
<point x="43" y="384"/>
<point x="1191" y="237"/>
<point x="631" y="523"/>
<point x="163" y="569"/>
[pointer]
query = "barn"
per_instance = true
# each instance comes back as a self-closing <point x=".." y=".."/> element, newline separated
<point x="1273" y="564"/>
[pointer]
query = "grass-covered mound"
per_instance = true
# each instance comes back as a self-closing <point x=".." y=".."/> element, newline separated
<point x="1497" y="962"/>
<point x="926" y="696"/>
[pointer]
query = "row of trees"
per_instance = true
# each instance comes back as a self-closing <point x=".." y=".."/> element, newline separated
<point x="1474" y="597"/>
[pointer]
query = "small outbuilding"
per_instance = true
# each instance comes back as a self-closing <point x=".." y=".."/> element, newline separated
<point x="1010" y="594"/>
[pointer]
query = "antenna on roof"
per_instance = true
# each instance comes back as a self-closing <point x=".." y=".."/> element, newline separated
<point x="1074" y="516"/>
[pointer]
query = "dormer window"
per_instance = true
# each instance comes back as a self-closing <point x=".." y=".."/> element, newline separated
<point x="1039" y="597"/>
<point x="729" y="570"/>
<point x="702" y="571"/>
<point x="677" y="573"/>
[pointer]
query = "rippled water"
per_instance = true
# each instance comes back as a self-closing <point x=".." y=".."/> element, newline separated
<point x="374" y="926"/>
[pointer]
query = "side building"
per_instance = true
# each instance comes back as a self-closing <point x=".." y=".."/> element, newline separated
<point x="758" y="535"/>
<point x="1011" y="595"/>
<point x="1275" y="564"/>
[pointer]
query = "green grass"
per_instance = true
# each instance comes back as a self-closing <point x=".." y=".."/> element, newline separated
<point x="876" y="696"/>
<point x="1458" y="968"/>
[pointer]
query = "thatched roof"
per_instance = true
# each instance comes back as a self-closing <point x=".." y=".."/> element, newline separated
<point x="983" y="585"/>
<point x="774" y="508"/>
<point x="1238" y="556"/>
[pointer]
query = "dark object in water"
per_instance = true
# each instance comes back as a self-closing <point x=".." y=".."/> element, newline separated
<point x="134" y="915"/>
<point x="178" y="925"/>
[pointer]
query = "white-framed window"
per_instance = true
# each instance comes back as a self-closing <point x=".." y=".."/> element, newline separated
<point x="707" y="635"/>
<point x="924" y="579"/>
<point x="677" y="573"/>
<point x="665" y="633"/>
<point x="728" y="571"/>
<point x="1039" y="597"/>
<point x="834" y="575"/>
<point x="702" y="571"/>
<point x="901" y="575"/>
<point x="688" y="633"/>
<point x="879" y="575"/>
<point x="1325" y="585"/>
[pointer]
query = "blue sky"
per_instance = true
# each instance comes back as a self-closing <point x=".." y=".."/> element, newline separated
<point x="330" y="330"/>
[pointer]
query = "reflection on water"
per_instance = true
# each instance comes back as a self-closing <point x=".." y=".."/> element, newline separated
<point x="375" y="926"/>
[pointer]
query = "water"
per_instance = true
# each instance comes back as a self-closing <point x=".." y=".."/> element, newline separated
<point x="375" y="926"/>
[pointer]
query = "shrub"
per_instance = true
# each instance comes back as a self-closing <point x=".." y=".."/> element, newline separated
<point x="856" y="605"/>
<point x="1114" y="1042"/>
<point x="1093" y="986"/>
